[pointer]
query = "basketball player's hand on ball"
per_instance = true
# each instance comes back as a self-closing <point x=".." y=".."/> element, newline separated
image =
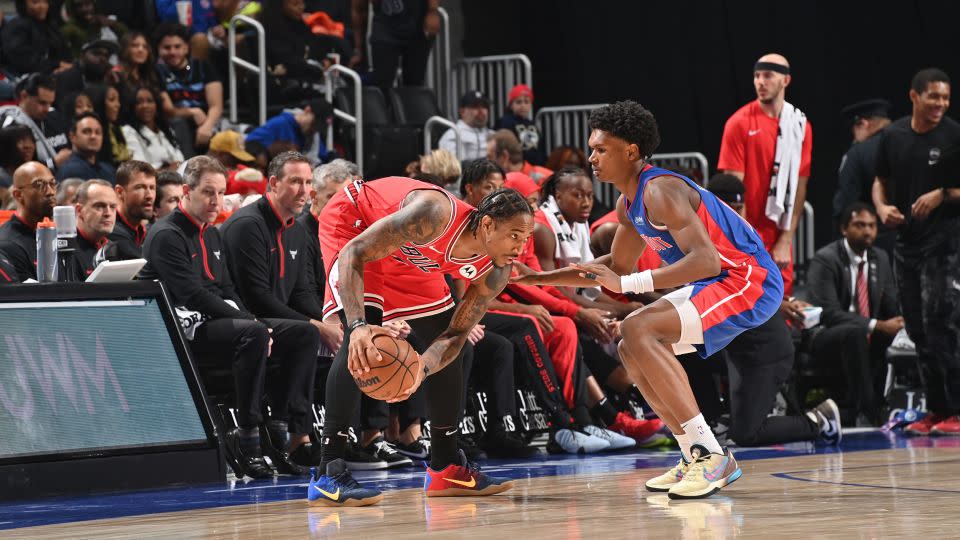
<point x="362" y="352"/>
<point x="420" y="375"/>
<point x="601" y="274"/>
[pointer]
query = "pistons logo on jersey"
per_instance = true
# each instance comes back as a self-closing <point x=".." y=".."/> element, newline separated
<point x="656" y="243"/>
<point x="412" y="256"/>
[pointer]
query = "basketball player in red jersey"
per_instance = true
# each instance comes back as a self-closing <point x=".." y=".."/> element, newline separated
<point x="432" y="234"/>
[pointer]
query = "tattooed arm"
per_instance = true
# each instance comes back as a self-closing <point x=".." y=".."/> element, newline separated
<point x="423" y="217"/>
<point x="469" y="311"/>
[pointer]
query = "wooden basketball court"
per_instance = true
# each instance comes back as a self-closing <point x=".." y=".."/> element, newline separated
<point x="904" y="490"/>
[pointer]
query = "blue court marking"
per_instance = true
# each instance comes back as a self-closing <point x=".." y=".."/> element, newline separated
<point x="791" y="476"/>
<point x="50" y="511"/>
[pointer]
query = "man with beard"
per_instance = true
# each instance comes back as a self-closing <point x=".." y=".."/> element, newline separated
<point x="86" y="136"/>
<point x="853" y="282"/>
<point x="35" y="190"/>
<point x="93" y="68"/>
<point x="36" y="95"/>
<point x="136" y="190"/>
<point x="96" y="216"/>
<point x="767" y="144"/>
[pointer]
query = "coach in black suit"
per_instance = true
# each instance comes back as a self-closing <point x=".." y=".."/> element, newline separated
<point x="853" y="282"/>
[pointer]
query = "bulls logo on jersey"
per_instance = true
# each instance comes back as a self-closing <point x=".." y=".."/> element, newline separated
<point x="415" y="258"/>
<point x="468" y="271"/>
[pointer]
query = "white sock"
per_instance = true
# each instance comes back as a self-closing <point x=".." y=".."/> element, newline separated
<point x="684" y="446"/>
<point x="697" y="431"/>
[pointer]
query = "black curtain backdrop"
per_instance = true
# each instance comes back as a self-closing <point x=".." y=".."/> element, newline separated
<point x="691" y="63"/>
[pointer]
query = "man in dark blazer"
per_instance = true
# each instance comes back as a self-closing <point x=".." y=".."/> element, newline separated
<point x="853" y="282"/>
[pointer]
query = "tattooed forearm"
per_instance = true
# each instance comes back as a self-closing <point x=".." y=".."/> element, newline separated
<point x="467" y="315"/>
<point x="422" y="218"/>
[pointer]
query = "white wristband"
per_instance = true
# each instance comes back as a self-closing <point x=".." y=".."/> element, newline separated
<point x="639" y="283"/>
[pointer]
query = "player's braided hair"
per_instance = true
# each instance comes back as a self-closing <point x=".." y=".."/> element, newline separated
<point x="629" y="121"/>
<point x="500" y="205"/>
<point x="549" y="186"/>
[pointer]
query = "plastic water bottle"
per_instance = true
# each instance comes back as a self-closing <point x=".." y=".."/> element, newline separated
<point x="46" y="251"/>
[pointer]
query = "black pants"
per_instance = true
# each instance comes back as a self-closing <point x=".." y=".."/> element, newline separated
<point x="388" y="56"/>
<point x="863" y="364"/>
<point x="758" y="362"/>
<point x="534" y="359"/>
<point x="292" y="366"/>
<point x="443" y="389"/>
<point x="931" y="311"/>
<point x="492" y="372"/>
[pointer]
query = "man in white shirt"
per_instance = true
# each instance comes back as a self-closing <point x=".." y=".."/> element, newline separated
<point x="472" y="125"/>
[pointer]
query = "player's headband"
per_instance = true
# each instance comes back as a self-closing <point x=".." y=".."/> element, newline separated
<point x="770" y="66"/>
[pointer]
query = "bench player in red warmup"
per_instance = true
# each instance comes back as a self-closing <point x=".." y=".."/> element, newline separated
<point x="729" y="284"/>
<point x="374" y="237"/>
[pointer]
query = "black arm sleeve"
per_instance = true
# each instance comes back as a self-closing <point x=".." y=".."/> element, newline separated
<point x="248" y="255"/>
<point x="170" y="256"/>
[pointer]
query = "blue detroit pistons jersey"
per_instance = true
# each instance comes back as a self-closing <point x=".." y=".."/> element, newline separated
<point x="749" y="288"/>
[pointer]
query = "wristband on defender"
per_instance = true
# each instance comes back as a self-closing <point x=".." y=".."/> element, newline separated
<point x="639" y="283"/>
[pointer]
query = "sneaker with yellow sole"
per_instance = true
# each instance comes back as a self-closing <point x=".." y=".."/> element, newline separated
<point x="668" y="479"/>
<point x="706" y="475"/>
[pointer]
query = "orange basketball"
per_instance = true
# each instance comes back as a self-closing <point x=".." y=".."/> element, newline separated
<point x="393" y="375"/>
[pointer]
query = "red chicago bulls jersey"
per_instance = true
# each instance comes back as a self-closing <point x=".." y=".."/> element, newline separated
<point x="381" y="198"/>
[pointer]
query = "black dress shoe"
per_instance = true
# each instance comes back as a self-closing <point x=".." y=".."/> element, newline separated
<point x="253" y="466"/>
<point x="282" y="461"/>
<point x="503" y="444"/>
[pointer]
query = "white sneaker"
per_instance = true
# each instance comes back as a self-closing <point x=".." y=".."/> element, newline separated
<point x="616" y="440"/>
<point x="575" y="442"/>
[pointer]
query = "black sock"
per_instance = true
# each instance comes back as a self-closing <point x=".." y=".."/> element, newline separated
<point x="332" y="446"/>
<point x="604" y="410"/>
<point x="581" y="416"/>
<point x="249" y="441"/>
<point x="443" y="447"/>
<point x="278" y="434"/>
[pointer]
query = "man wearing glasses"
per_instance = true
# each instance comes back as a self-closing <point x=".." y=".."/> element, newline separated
<point x="35" y="190"/>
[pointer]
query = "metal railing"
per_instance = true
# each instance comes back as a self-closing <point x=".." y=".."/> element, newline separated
<point x="428" y="134"/>
<point x="438" y="65"/>
<point x="691" y="164"/>
<point x="260" y="69"/>
<point x="356" y="120"/>
<point x="492" y="75"/>
<point x="565" y="126"/>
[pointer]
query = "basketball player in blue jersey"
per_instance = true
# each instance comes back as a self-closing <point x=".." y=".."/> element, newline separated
<point x="727" y="281"/>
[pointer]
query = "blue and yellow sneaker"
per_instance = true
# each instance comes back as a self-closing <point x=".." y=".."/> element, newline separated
<point x="338" y="488"/>
<point x="464" y="480"/>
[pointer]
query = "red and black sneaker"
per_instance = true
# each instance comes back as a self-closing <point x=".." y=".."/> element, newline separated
<point x="463" y="480"/>
<point x="636" y="429"/>
<point x="924" y="425"/>
<point x="948" y="426"/>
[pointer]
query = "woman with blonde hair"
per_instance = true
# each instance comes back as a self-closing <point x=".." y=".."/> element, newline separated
<point x="439" y="167"/>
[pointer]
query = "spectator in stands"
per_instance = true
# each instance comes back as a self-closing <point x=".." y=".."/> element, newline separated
<point x="33" y="42"/>
<point x="96" y="214"/>
<point x="67" y="191"/>
<point x="17" y="146"/>
<point x="86" y="136"/>
<point x="138" y="68"/>
<point x="567" y="156"/>
<point x="136" y="188"/>
<point x="302" y="127"/>
<point x="859" y="165"/>
<point x="439" y="167"/>
<point x="194" y="86"/>
<point x="106" y="103"/>
<point x="518" y="118"/>
<point x="76" y="104"/>
<point x="525" y="185"/>
<point x="148" y="134"/>
<point x="204" y="24"/>
<point x="915" y="197"/>
<point x="853" y="282"/>
<point x="747" y="151"/>
<point x="37" y="94"/>
<point x="505" y="149"/>
<point x="131" y="14"/>
<point x="472" y="126"/>
<point x="85" y="23"/>
<point x="262" y="242"/>
<point x="35" y="190"/>
<point x="93" y="68"/>
<point x="169" y="191"/>
<point x="759" y="361"/>
<point x="293" y="51"/>
<point x="402" y="33"/>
